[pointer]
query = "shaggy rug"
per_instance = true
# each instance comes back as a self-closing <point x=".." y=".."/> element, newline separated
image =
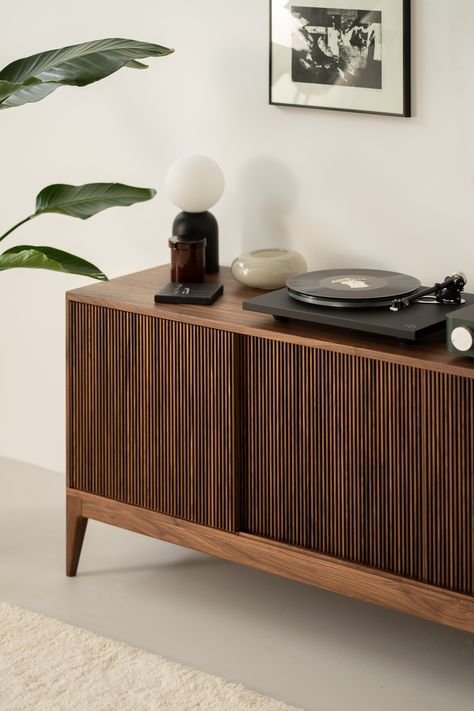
<point x="46" y="665"/>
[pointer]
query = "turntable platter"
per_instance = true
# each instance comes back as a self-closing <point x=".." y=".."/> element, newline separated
<point x="354" y="288"/>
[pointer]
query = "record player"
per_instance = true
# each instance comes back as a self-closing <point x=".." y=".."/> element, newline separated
<point x="373" y="301"/>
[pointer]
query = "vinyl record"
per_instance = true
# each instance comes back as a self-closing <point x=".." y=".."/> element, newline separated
<point x="351" y="288"/>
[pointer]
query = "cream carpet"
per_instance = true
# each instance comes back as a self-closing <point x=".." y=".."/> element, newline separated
<point x="46" y="665"/>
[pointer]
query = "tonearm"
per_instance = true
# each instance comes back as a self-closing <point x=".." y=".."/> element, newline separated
<point x="449" y="292"/>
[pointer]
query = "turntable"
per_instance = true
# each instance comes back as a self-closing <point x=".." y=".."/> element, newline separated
<point x="372" y="301"/>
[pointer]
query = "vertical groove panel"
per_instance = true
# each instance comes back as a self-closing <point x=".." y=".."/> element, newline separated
<point x="364" y="460"/>
<point x="152" y="406"/>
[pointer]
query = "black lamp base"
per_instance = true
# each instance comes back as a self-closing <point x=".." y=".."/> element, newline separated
<point x="200" y="224"/>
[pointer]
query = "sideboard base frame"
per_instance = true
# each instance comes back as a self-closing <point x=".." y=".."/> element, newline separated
<point x="304" y="566"/>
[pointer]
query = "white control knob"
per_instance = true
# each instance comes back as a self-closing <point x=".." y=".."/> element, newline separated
<point x="462" y="339"/>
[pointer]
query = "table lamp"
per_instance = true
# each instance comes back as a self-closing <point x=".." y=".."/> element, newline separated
<point x="194" y="184"/>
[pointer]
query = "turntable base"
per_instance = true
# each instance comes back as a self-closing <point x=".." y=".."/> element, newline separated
<point x="409" y="325"/>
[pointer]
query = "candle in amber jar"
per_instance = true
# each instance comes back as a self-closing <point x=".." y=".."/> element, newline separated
<point x="188" y="260"/>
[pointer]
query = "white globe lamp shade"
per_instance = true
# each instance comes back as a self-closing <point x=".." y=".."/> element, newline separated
<point x="195" y="183"/>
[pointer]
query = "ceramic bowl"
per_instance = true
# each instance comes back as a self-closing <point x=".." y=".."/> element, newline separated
<point x="268" y="268"/>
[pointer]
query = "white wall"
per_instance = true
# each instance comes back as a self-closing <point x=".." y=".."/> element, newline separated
<point x="344" y="189"/>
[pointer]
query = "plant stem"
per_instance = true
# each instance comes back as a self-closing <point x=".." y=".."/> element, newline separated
<point x="15" y="227"/>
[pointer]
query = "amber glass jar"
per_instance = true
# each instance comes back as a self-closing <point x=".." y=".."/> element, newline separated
<point x="188" y="260"/>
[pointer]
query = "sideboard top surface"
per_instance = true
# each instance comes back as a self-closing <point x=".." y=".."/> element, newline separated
<point x="135" y="293"/>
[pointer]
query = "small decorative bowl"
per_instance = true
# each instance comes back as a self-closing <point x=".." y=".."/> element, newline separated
<point x="268" y="268"/>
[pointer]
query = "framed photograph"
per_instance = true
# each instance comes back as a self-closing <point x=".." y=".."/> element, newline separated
<point x="345" y="55"/>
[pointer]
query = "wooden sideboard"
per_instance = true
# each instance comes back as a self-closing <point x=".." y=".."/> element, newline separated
<point x="342" y="461"/>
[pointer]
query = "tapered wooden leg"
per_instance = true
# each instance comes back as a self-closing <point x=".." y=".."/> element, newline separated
<point x="76" y="526"/>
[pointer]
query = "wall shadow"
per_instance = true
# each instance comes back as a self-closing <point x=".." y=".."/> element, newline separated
<point x="267" y="193"/>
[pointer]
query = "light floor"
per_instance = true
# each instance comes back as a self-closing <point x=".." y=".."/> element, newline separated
<point x="310" y="648"/>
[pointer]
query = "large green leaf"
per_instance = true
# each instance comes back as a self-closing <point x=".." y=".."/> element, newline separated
<point x="78" y="65"/>
<point x="28" y="94"/>
<point x="33" y="257"/>
<point x="7" y="88"/>
<point x="84" y="201"/>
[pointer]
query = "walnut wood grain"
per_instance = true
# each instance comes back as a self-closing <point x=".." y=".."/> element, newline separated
<point x="368" y="461"/>
<point x="135" y="293"/>
<point x="153" y="406"/>
<point x="336" y="459"/>
<point x="76" y="524"/>
<point x="303" y="566"/>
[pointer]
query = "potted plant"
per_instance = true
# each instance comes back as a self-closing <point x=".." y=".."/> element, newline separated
<point x="32" y="79"/>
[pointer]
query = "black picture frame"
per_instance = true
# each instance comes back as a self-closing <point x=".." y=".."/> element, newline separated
<point x="391" y="97"/>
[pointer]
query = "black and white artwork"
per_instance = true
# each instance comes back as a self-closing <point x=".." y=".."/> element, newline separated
<point x="353" y="57"/>
<point x="337" y="46"/>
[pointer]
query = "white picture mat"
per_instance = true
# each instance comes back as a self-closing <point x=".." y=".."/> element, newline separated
<point x="389" y="99"/>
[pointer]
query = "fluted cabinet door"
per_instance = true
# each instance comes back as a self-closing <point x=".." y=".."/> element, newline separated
<point x="365" y="460"/>
<point x="152" y="409"/>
